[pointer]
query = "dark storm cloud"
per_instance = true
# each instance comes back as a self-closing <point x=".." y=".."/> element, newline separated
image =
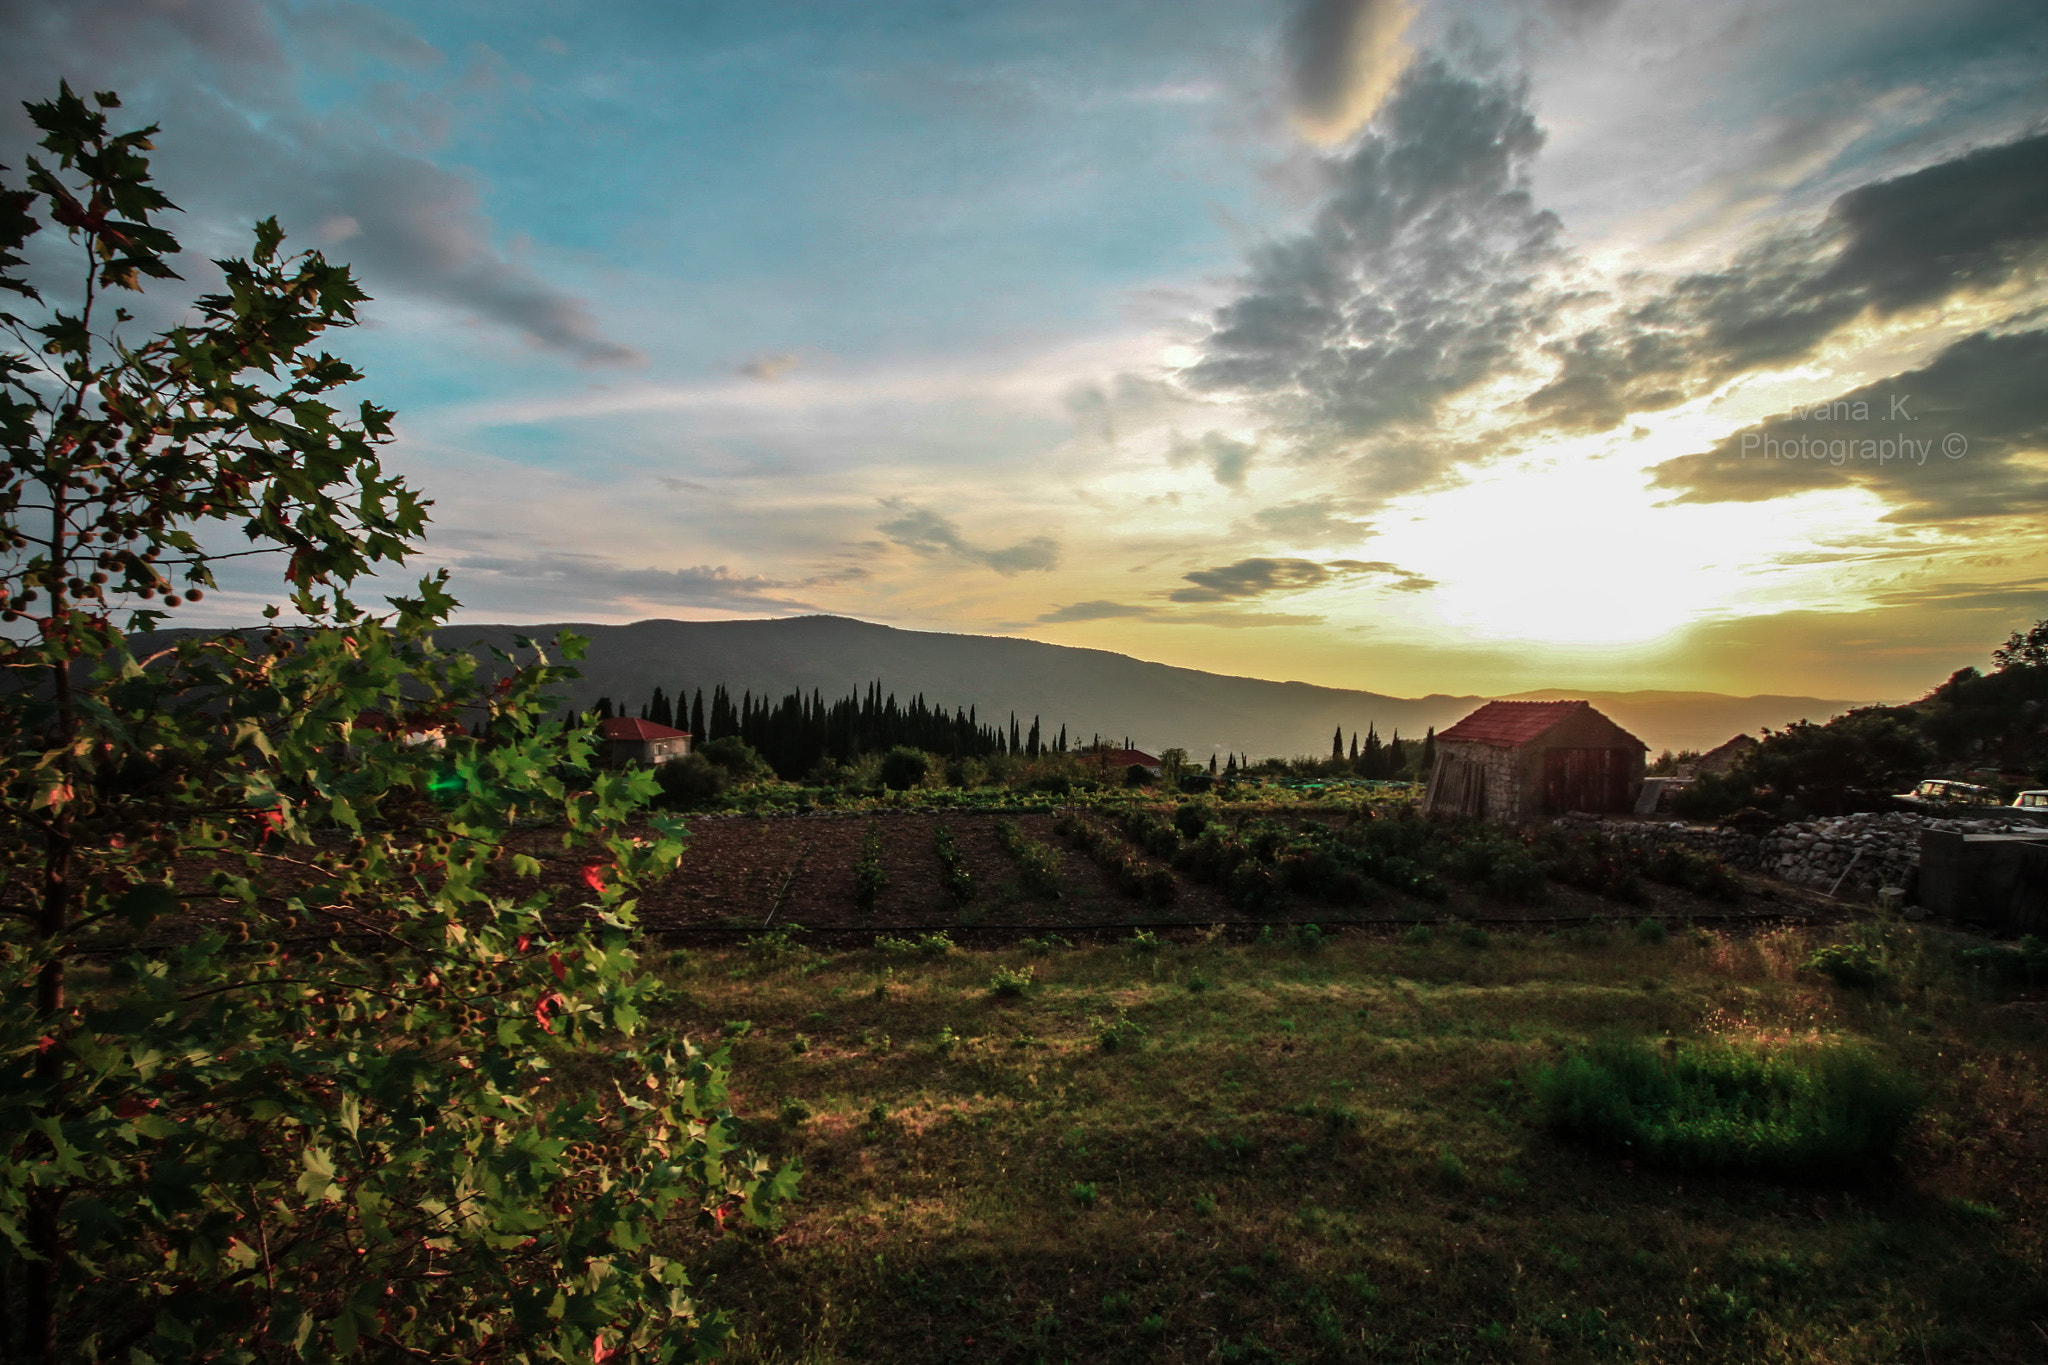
<point x="926" y="532"/>
<point x="1342" y="58"/>
<point x="1261" y="577"/>
<point x="1964" y="225"/>
<point x="237" y="146"/>
<point x="1416" y="280"/>
<point x="1947" y="442"/>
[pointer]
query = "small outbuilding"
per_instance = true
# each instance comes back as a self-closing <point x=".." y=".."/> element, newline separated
<point x="628" y="741"/>
<point x="1519" y="760"/>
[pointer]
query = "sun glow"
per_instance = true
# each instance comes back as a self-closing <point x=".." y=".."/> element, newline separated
<point x="1571" y="547"/>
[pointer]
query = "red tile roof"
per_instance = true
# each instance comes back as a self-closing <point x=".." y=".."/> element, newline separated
<point x="1124" y="758"/>
<point x="1510" y="724"/>
<point x="627" y="727"/>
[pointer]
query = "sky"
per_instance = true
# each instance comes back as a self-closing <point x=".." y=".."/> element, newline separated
<point x="1416" y="347"/>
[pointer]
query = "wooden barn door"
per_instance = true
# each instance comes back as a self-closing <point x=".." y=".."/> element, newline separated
<point x="1461" y="789"/>
<point x="1585" y="779"/>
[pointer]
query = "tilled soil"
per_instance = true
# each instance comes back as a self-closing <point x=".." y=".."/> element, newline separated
<point x="748" y="873"/>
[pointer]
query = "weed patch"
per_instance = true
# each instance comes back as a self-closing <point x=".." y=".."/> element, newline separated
<point x="1808" y="1113"/>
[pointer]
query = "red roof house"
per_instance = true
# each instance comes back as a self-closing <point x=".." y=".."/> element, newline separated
<point x="628" y="741"/>
<point x="1519" y="760"/>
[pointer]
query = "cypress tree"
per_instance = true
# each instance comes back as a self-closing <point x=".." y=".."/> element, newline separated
<point x="1354" y="748"/>
<point x="1397" y="757"/>
<point x="697" y="716"/>
<point x="604" y="708"/>
<point x="1337" y="745"/>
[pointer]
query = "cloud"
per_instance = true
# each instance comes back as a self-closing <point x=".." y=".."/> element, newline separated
<point x="588" y="578"/>
<point x="1260" y="577"/>
<point x="927" y="533"/>
<point x="1097" y="610"/>
<point x="1961" y="438"/>
<point x="769" y="367"/>
<point x="1966" y="225"/>
<point x="1419" y="277"/>
<point x="1227" y="459"/>
<point x="1311" y="521"/>
<point x="1343" y="57"/>
<point x="1231" y="620"/>
<point x="240" y="145"/>
<point x="421" y="229"/>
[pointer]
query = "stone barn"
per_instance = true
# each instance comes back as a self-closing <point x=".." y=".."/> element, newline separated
<point x="1520" y="760"/>
<point x="628" y="741"/>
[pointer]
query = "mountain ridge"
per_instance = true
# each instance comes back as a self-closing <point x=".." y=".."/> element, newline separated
<point x="1091" y="691"/>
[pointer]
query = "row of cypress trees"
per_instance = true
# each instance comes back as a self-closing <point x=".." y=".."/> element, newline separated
<point x="797" y="732"/>
<point x="1391" y="759"/>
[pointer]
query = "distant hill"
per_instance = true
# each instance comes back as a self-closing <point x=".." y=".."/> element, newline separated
<point x="1090" y="691"/>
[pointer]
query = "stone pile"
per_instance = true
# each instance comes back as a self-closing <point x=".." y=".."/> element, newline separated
<point x="1863" y="852"/>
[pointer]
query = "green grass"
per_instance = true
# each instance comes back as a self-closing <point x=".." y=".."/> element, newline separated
<point x="1816" y="1112"/>
<point x="1336" y="1155"/>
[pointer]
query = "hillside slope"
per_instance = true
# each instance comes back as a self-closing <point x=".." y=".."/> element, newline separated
<point x="1090" y="691"/>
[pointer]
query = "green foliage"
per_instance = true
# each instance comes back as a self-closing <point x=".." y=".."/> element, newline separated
<point x="924" y="945"/>
<point x="1038" y="865"/>
<point x="280" y="1054"/>
<point x="1011" y="982"/>
<point x="739" y="759"/>
<point x="2020" y="966"/>
<point x="904" y="768"/>
<point x="691" y="781"/>
<point x="959" y="877"/>
<point x="1651" y="931"/>
<point x="1852" y="762"/>
<point x="1133" y="876"/>
<point x="1855" y="965"/>
<point x="1118" y="1033"/>
<point x="869" y="878"/>
<point x="1816" y="1113"/>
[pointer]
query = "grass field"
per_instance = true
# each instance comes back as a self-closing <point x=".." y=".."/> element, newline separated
<point x="1191" y="1151"/>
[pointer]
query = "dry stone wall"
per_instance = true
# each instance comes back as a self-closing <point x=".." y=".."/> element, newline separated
<point x="1865" y="852"/>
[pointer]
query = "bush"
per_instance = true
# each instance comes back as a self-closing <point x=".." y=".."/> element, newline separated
<point x="1038" y="865"/>
<point x="691" y="781"/>
<point x="904" y="768"/>
<point x="741" y="761"/>
<point x="931" y="945"/>
<point x="1190" y="818"/>
<point x="1818" y="1113"/>
<point x="869" y="879"/>
<point x="1010" y="982"/>
<point x="2022" y="966"/>
<point x="1857" y="966"/>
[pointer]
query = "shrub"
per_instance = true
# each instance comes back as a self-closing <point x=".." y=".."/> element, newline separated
<point x="904" y="768"/>
<point x="741" y="761"/>
<point x="924" y="945"/>
<point x="1255" y="889"/>
<point x="959" y="878"/>
<point x="1118" y="1033"/>
<point x="1650" y="931"/>
<point x="1038" y="865"/>
<point x="691" y="781"/>
<point x="2021" y="966"/>
<point x="869" y="879"/>
<point x="1010" y="982"/>
<point x="1857" y="966"/>
<point x="1822" y="1112"/>
<point x="1190" y="818"/>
